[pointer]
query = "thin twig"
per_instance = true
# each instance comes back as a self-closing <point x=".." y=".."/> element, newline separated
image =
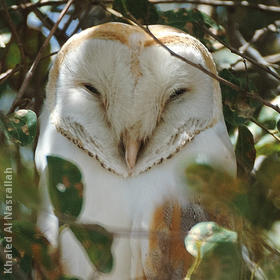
<point x="215" y="3"/>
<point x="25" y="6"/>
<point x="254" y="96"/>
<point x="13" y="30"/>
<point x="4" y="76"/>
<point x="48" y="23"/>
<point x="233" y="50"/>
<point x="30" y="72"/>
<point x="265" y="129"/>
<point x="39" y="4"/>
<point x="259" y="33"/>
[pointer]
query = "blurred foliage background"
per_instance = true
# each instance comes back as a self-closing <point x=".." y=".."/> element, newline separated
<point x="244" y="38"/>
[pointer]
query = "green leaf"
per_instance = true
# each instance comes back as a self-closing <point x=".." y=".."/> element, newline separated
<point x="142" y="10"/>
<point x="231" y="99"/>
<point x="269" y="172"/>
<point x="205" y="179"/>
<point x="212" y="244"/>
<point x="28" y="239"/>
<point x="13" y="56"/>
<point x="23" y="260"/>
<point x="214" y="247"/>
<point x="97" y="243"/>
<point x="245" y="151"/>
<point x="21" y="126"/>
<point x="260" y="203"/>
<point x="65" y="187"/>
<point x="271" y="266"/>
<point x="278" y="125"/>
<point x="269" y="124"/>
<point x="205" y="236"/>
<point x="268" y="148"/>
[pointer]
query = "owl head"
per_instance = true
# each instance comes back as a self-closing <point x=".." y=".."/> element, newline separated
<point x="126" y="101"/>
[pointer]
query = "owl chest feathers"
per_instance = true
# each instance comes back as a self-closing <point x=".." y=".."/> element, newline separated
<point x="132" y="118"/>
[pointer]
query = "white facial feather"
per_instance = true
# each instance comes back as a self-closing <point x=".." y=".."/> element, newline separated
<point x="135" y="81"/>
<point x="110" y="89"/>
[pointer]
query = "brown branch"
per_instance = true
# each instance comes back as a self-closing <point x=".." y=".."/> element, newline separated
<point x="270" y="59"/>
<point x="254" y="96"/>
<point x="13" y="30"/>
<point x="25" y="6"/>
<point x="233" y="50"/>
<point x="6" y="75"/>
<point x="265" y="129"/>
<point x="34" y="65"/>
<point x="215" y="3"/>
<point x="48" y="23"/>
<point x="31" y="5"/>
<point x="259" y="33"/>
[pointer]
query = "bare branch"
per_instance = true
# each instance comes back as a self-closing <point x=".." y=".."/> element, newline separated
<point x="48" y="23"/>
<point x="4" y="76"/>
<point x="259" y="33"/>
<point x="233" y="50"/>
<point x="215" y="3"/>
<point x="40" y="4"/>
<point x="25" y="6"/>
<point x="265" y="129"/>
<point x="251" y="95"/>
<point x="30" y="72"/>
<point x="13" y="30"/>
<point x="245" y="4"/>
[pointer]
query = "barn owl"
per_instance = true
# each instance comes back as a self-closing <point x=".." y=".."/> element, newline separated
<point x="132" y="117"/>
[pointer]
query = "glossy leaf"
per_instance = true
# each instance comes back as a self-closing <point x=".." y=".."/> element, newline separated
<point x="65" y="187"/>
<point x="245" y="151"/>
<point x="216" y="250"/>
<point x="21" y="126"/>
<point x="204" y="236"/>
<point x="97" y="243"/>
<point x="231" y="100"/>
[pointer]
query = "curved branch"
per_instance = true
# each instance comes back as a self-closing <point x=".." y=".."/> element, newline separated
<point x="215" y="3"/>
<point x="31" y="71"/>
<point x="233" y="50"/>
<point x="130" y="19"/>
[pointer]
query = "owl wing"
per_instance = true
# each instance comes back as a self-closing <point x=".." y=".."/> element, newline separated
<point x="173" y="211"/>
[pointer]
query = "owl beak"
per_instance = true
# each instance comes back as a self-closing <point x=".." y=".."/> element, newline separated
<point x="131" y="147"/>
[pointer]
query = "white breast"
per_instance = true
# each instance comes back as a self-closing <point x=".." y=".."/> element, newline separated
<point x="124" y="204"/>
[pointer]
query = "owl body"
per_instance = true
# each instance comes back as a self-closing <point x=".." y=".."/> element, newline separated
<point x="132" y="118"/>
